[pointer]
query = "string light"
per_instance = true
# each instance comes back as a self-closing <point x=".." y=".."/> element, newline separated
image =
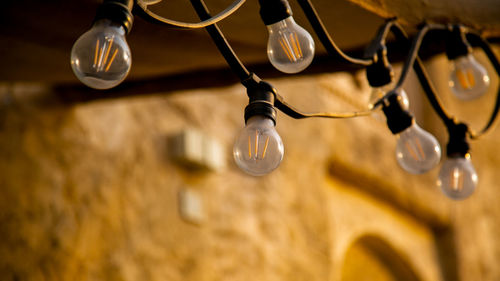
<point x="101" y="59"/>
<point x="468" y="78"/>
<point x="258" y="149"/>
<point x="290" y="47"/>
<point x="417" y="151"/>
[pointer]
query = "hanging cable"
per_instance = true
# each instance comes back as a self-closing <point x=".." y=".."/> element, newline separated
<point x="421" y="73"/>
<point x="250" y="80"/>
<point x="424" y="79"/>
<point x="325" y="38"/>
<point x="220" y="41"/>
<point x="151" y="16"/>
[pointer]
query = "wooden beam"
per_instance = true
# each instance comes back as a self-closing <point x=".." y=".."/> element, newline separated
<point x="480" y="14"/>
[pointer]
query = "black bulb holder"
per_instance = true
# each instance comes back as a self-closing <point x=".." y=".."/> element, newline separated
<point x="273" y="11"/>
<point x="456" y="43"/>
<point x="261" y="101"/>
<point x="457" y="143"/>
<point x="117" y="11"/>
<point x="380" y="72"/>
<point x="398" y="119"/>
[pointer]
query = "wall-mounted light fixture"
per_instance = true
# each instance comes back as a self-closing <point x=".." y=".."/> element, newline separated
<point x="101" y="59"/>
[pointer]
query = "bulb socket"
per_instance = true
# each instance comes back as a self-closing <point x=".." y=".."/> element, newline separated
<point x="261" y="101"/>
<point x="262" y="108"/>
<point x="380" y="73"/>
<point x="117" y="11"/>
<point x="398" y="119"/>
<point x="273" y="11"/>
<point x="457" y="143"/>
<point x="456" y="43"/>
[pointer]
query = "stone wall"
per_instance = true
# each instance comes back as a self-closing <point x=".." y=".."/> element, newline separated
<point x="89" y="192"/>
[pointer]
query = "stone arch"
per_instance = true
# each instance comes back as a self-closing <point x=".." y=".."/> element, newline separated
<point x="372" y="258"/>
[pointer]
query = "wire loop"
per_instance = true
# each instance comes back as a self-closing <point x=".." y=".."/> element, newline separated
<point x="151" y="16"/>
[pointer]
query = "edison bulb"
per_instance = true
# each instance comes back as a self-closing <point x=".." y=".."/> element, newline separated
<point x="290" y="47"/>
<point x="101" y="58"/>
<point x="457" y="178"/>
<point x="258" y="149"/>
<point x="468" y="78"/>
<point x="417" y="151"/>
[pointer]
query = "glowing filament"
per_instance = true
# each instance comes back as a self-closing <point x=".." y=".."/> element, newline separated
<point x="96" y="52"/>
<point x="265" y="148"/>
<point x="101" y="55"/>
<point x="415" y="149"/>
<point x="291" y="46"/>
<point x="457" y="180"/>
<point x="256" y="147"/>
<point x="466" y="79"/>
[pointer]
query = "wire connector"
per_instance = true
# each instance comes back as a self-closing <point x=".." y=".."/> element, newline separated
<point x="118" y="11"/>
<point x="273" y="11"/>
<point x="456" y="43"/>
<point x="380" y="73"/>
<point x="398" y="119"/>
<point x="261" y="101"/>
<point x="457" y="143"/>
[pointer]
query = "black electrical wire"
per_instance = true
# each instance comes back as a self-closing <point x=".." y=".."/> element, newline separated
<point x="251" y="80"/>
<point x="413" y="60"/>
<point x="220" y="41"/>
<point x="296" y="114"/>
<point x="324" y="37"/>
<point x="247" y="78"/>
<point x="422" y="75"/>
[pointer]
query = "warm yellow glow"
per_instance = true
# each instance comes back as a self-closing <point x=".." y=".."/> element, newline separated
<point x="291" y="46"/>
<point x="101" y="52"/>
<point x="294" y="46"/>
<point x="249" y="147"/>
<point x="112" y="58"/>
<point x="107" y="52"/>
<point x="298" y="45"/>
<point x="96" y="52"/>
<point x="284" y="46"/>
<point x="265" y="148"/>
<point x="418" y="153"/>
<point x="472" y="81"/>
<point x="466" y="78"/>
<point x="256" y="143"/>
<point x="457" y="179"/>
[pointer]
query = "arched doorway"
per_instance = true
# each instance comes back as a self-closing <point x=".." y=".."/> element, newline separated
<point x="372" y="259"/>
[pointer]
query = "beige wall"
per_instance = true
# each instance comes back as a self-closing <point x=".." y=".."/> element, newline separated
<point x="88" y="192"/>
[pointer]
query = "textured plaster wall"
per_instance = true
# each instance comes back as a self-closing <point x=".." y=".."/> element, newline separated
<point x="88" y="192"/>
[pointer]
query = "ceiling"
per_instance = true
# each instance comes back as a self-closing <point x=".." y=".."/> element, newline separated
<point x="36" y="37"/>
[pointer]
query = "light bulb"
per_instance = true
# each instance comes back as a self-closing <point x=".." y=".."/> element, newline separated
<point x="457" y="178"/>
<point x="378" y="92"/>
<point x="258" y="149"/>
<point x="101" y="58"/>
<point x="417" y="151"/>
<point x="468" y="78"/>
<point x="290" y="47"/>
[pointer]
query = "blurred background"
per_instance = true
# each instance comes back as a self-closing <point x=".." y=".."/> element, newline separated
<point x="113" y="185"/>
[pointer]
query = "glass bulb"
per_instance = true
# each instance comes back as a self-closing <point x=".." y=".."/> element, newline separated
<point x="101" y="58"/>
<point x="378" y="92"/>
<point x="258" y="149"/>
<point x="417" y="151"/>
<point x="457" y="178"/>
<point x="468" y="78"/>
<point x="290" y="47"/>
